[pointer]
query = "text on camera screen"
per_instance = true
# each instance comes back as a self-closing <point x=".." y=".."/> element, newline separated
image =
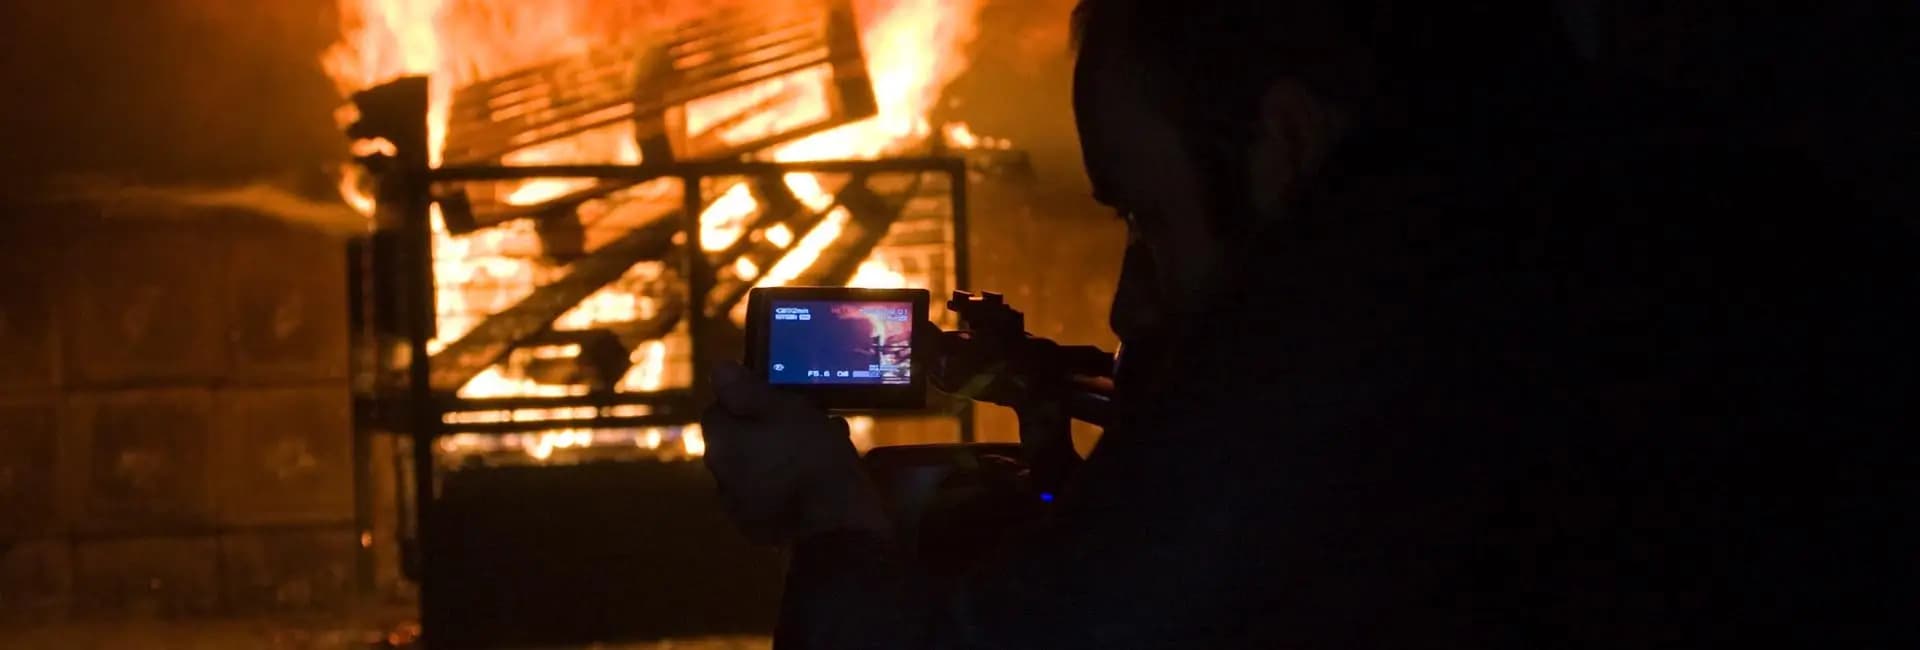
<point x="840" y="342"/>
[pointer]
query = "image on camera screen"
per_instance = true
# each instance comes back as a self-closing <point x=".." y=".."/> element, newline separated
<point x="840" y="342"/>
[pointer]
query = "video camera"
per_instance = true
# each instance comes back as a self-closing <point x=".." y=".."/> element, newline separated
<point x="876" y="350"/>
<point x="847" y="349"/>
<point x="853" y="349"/>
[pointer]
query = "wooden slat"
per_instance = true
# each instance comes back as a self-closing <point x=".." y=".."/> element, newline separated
<point x="486" y="99"/>
<point x="563" y="204"/>
<point x="551" y="94"/>
<point x="609" y="346"/>
<point x="717" y="80"/>
<point x="553" y="107"/>
<point x="729" y="291"/>
<point x="713" y="137"/>
<point x="489" y="341"/>
<point x="806" y="33"/>
<point x="494" y="94"/>
<point x="833" y="120"/>
<point x="548" y="132"/>
<point x="560" y="77"/>
<point x="777" y="205"/>
<point x="722" y="53"/>
<point x="518" y="78"/>
<point x="479" y="140"/>
<point x="873" y="214"/>
<point x="721" y="21"/>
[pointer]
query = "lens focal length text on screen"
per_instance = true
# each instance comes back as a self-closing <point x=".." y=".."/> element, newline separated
<point x="840" y="342"/>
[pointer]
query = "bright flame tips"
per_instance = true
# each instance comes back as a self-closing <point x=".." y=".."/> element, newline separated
<point x="874" y="274"/>
<point x="381" y="39"/>
<point x="913" y="49"/>
<point x="384" y="39"/>
<point x="650" y="366"/>
<point x="962" y="136"/>
<point x="745" y="268"/>
<point x="692" y="441"/>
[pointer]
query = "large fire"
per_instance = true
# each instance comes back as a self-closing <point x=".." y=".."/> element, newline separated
<point x="912" y="49"/>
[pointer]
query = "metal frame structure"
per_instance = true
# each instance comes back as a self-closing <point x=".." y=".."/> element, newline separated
<point x="718" y="62"/>
<point x="406" y="190"/>
<point x="671" y="406"/>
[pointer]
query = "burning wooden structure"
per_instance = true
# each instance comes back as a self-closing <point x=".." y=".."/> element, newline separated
<point x="522" y="303"/>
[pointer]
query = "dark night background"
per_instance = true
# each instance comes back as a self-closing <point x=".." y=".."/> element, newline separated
<point x="214" y="338"/>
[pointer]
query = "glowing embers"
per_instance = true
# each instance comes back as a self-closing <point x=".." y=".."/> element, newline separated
<point x="668" y="443"/>
<point x="574" y="445"/>
<point x="959" y="135"/>
<point x="780" y="235"/>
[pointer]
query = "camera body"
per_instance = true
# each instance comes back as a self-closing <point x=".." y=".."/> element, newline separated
<point x="876" y="350"/>
<point x="845" y="348"/>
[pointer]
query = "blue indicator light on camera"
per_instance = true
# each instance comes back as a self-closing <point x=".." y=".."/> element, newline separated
<point x="1046" y="496"/>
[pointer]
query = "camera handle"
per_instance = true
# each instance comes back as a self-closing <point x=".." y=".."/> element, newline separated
<point x="1048" y="385"/>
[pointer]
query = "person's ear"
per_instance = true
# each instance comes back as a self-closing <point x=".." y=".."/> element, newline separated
<point x="1297" y="131"/>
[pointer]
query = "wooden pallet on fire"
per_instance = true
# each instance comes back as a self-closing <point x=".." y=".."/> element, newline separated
<point x="722" y="86"/>
<point x="869" y="212"/>
<point x="736" y="82"/>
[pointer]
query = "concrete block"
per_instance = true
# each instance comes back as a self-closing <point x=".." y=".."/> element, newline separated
<point x="288" y="307"/>
<point x="36" y="581"/>
<point x="288" y="572"/>
<point x="143" y="300"/>
<point x="29" y="456"/>
<point x="284" y="456"/>
<point x="147" y="577"/>
<point x="142" y="460"/>
<point x="28" y="331"/>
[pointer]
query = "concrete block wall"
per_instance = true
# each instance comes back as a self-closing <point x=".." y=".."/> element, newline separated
<point x="175" y="433"/>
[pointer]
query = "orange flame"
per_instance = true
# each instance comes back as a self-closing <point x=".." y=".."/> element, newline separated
<point x="913" y="48"/>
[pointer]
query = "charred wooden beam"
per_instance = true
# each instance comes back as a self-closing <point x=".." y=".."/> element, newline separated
<point x="633" y="333"/>
<point x="465" y="411"/>
<point x="599" y="364"/>
<point x="673" y="417"/>
<point x="606" y="352"/>
<point x="489" y="341"/>
<point x="562" y="205"/>
<point x="872" y="215"/>
<point x="730" y="288"/>
<point x="450" y="403"/>
<point x="538" y="73"/>
<point x="714" y="137"/>
<point x="777" y="205"/>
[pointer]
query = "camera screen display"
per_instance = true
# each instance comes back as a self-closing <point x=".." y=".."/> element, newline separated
<point x="813" y="342"/>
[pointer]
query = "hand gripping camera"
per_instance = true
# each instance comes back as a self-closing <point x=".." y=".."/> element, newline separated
<point x="855" y="350"/>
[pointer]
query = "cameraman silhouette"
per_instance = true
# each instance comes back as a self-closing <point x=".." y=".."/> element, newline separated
<point x="1437" y="332"/>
